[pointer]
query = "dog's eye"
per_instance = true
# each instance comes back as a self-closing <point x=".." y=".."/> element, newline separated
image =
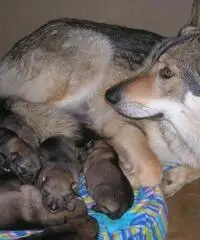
<point x="166" y="73"/>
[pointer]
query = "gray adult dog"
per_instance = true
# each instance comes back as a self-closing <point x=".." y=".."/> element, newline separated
<point x="58" y="75"/>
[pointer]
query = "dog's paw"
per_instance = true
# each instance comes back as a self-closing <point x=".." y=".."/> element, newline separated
<point x="173" y="180"/>
<point x="147" y="178"/>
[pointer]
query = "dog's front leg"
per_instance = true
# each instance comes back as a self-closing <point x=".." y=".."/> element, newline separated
<point x="46" y="120"/>
<point x="140" y="165"/>
<point x="176" y="178"/>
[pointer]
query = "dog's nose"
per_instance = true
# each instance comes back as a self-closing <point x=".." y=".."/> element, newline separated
<point x="113" y="95"/>
<point x="53" y="206"/>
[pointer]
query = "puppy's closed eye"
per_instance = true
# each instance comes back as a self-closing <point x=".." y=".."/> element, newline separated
<point x="15" y="156"/>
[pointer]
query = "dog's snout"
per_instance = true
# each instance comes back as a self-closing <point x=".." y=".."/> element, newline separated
<point x="113" y="95"/>
<point x="53" y="206"/>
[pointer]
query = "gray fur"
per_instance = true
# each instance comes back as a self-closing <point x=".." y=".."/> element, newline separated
<point x="61" y="72"/>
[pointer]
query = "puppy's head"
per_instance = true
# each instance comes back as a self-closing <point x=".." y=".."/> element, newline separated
<point x="22" y="159"/>
<point x="58" y="188"/>
<point x="169" y="82"/>
<point x="58" y="148"/>
<point x="111" y="201"/>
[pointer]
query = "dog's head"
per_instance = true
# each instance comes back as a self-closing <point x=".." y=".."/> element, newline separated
<point x="168" y="84"/>
<point x="18" y="157"/>
<point x="111" y="201"/>
<point x="57" y="187"/>
<point x="24" y="162"/>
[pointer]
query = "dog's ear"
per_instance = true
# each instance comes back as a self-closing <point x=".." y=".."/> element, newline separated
<point x="187" y="30"/>
<point x="193" y="23"/>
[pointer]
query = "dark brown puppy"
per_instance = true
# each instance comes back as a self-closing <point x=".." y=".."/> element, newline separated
<point x="106" y="183"/>
<point x="22" y="207"/>
<point x="60" y="172"/>
<point x="19" y="157"/>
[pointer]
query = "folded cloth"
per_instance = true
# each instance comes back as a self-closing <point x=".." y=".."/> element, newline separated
<point x="146" y="220"/>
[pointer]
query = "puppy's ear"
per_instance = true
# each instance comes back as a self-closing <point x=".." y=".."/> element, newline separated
<point x="75" y="186"/>
<point x="96" y="208"/>
<point x="70" y="206"/>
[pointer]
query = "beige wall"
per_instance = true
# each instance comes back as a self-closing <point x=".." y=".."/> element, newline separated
<point x="19" y="17"/>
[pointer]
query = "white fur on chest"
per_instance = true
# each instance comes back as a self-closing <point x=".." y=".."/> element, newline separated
<point x="158" y="145"/>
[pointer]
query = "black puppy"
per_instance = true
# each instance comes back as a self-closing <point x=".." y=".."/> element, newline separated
<point x="106" y="183"/>
<point x="60" y="173"/>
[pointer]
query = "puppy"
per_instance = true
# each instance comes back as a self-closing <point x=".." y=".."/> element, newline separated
<point x="60" y="173"/>
<point x="18" y="157"/>
<point x="15" y="123"/>
<point x="77" y="228"/>
<point x="106" y="183"/>
<point x="23" y="208"/>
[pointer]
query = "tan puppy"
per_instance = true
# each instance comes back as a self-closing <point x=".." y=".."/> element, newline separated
<point x="106" y="183"/>
<point x="59" y="176"/>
